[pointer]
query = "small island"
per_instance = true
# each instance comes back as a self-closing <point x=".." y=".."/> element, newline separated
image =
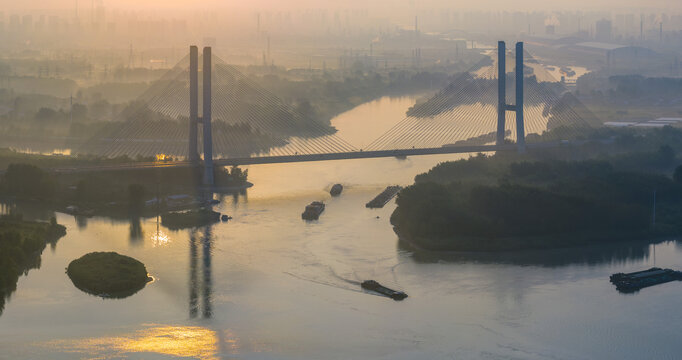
<point x="108" y="274"/>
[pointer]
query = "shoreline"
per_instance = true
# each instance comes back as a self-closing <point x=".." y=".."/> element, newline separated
<point x="645" y="240"/>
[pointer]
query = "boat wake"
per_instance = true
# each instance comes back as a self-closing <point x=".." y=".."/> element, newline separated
<point x="330" y="284"/>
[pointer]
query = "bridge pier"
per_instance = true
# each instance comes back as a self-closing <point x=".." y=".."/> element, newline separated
<point x="520" y="131"/>
<point x="502" y="106"/>
<point x="206" y="120"/>
<point x="192" y="154"/>
<point x="501" y="90"/>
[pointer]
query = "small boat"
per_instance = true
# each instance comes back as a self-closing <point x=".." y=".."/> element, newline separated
<point x="313" y="210"/>
<point x="77" y="211"/>
<point x="376" y="287"/>
<point x="336" y="190"/>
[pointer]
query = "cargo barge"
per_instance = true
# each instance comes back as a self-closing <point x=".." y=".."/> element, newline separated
<point x="635" y="281"/>
<point x="376" y="287"/>
<point x="336" y="190"/>
<point x="189" y="219"/>
<point x="383" y="198"/>
<point x="313" y="210"/>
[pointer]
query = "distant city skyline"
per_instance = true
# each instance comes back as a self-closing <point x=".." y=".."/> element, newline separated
<point x="522" y="5"/>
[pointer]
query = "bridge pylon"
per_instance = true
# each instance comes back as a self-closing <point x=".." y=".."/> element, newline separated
<point x="193" y="155"/>
<point x="502" y="106"/>
<point x="205" y="119"/>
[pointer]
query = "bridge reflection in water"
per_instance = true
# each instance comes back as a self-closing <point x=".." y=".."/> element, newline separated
<point x="200" y="281"/>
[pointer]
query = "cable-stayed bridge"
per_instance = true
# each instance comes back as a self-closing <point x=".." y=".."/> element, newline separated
<point x="242" y="123"/>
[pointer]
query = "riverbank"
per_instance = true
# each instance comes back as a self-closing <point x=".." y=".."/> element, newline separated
<point x="142" y="192"/>
<point x="21" y="245"/>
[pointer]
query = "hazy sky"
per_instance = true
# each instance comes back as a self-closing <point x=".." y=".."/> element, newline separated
<point x="256" y="4"/>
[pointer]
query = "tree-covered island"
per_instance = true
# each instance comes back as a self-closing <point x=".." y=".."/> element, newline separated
<point x="548" y="199"/>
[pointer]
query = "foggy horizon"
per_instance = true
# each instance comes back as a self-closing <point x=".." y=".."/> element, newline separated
<point x="270" y="5"/>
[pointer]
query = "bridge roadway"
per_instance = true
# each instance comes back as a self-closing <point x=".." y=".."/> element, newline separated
<point x="454" y="149"/>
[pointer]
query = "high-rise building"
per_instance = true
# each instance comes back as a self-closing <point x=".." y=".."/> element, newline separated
<point x="27" y="23"/>
<point x="603" y="30"/>
<point x="550" y="29"/>
<point x="14" y="23"/>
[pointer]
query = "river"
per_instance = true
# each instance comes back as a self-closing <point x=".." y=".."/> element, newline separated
<point x="267" y="285"/>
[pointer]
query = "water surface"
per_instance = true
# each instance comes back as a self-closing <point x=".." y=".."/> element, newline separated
<point x="268" y="285"/>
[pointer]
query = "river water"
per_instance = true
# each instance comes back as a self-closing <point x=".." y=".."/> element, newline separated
<point x="267" y="285"/>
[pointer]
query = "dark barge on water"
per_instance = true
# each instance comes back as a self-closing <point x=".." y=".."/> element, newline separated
<point x="336" y="190"/>
<point x="383" y="198"/>
<point x="313" y="210"/>
<point x="376" y="287"/>
<point x="635" y="281"/>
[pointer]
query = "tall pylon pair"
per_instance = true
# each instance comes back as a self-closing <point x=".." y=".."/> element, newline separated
<point x="502" y="106"/>
<point x="205" y="119"/>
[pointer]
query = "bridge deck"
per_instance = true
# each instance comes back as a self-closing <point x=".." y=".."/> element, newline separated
<point x="313" y="157"/>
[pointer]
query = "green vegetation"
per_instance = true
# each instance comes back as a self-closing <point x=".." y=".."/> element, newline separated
<point x="189" y="219"/>
<point x="101" y="190"/>
<point x="108" y="274"/>
<point x="511" y="201"/>
<point x="629" y="97"/>
<point x="21" y="244"/>
<point x="235" y="177"/>
<point x="28" y="182"/>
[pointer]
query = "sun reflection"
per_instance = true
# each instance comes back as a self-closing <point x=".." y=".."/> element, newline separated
<point x="160" y="238"/>
<point x="182" y="341"/>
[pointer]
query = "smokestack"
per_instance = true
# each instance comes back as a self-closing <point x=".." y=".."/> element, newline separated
<point x="206" y="119"/>
<point x="192" y="154"/>
<point x="501" y="91"/>
<point x="660" y="32"/>
<point x="520" y="132"/>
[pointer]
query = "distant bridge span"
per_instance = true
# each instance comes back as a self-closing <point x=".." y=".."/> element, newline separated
<point x="313" y="157"/>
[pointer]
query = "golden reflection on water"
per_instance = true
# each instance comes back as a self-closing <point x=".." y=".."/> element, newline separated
<point x="160" y="238"/>
<point x="183" y="341"/>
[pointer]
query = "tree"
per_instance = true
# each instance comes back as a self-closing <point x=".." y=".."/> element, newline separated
<point x="79" y="112"/>
<point x="677" y="175"/>
<point x="28" y="181"/>
<point x="666" y="154"/>
<point x="46" y="114"/>
<point x="136" y="193"/>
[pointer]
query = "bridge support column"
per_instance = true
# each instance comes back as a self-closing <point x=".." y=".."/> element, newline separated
<point x="501" y="91"/>
<point x="206" y="119"/>
<point x="192" y="154"/>
<point x="520" y="131"/>
<point x="502" y="106"/>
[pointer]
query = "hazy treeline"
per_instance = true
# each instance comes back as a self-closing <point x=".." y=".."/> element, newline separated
<point x="511" y="201"/>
